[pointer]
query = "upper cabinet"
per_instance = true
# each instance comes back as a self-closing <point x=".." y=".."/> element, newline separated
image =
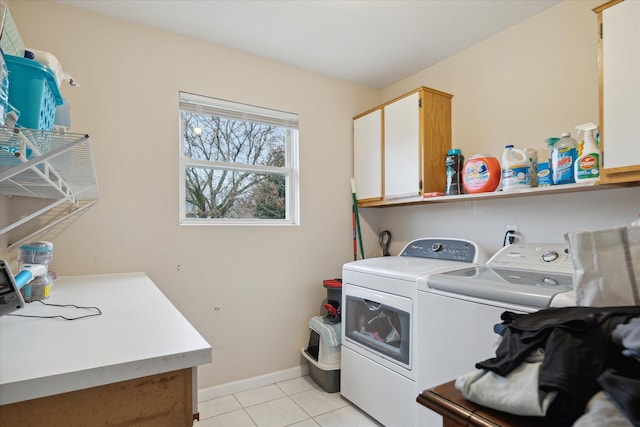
<point x="400" y="148"/>
<point x="619" y="62"/>
<point x="367" y="155"/>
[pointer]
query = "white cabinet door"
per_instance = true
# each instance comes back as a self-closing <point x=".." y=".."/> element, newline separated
<point x="367" y="155"/>
<point x="402" y="147"/>
<point x="621" y="84"/>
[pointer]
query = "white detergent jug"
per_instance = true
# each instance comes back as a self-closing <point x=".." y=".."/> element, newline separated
<point x="516" y="169"/>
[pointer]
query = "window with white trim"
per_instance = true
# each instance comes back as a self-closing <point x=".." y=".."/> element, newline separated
<point x="239" y="163"/>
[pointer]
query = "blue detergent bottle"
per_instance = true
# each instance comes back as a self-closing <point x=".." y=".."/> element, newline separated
<point x="563" y="157"/>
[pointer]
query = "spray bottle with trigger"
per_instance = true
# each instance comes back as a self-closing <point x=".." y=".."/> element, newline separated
<point x="587" y="165"/>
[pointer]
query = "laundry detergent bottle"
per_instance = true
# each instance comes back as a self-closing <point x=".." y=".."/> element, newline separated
<point x="481" y="174"/>
<point x="587" y="165"/>
<point x="516" y="169"/>
<point x="563" y="157"/>
<point x="453" y="166"/>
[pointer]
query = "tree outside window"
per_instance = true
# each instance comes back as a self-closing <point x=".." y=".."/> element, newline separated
<point x="238" y="165"/>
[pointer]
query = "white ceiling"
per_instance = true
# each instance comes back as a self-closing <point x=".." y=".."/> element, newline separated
<point x="372" y="42"/>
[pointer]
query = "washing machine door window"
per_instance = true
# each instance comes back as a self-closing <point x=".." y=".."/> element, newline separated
<point x="379" y="323"/>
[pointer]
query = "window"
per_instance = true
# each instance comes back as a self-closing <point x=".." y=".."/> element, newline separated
<point x="239" y="163"/>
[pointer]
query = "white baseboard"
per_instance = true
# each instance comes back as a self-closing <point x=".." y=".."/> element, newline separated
<point x="251" y="383"/>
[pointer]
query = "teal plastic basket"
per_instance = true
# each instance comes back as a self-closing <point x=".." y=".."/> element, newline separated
<point x="33" y="90"/>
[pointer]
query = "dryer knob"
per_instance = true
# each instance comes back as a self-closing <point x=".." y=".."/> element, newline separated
<point x="550" y="256"/>
<point x="436" y="247"/>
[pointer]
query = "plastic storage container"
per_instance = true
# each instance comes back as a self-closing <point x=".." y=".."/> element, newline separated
<point x="326" y="376"/>
<point x="516" y="169"/>
<point x="34" y="92"/>
<point x="334" y="299"/>
<point x="481" y="174"/>
<point x="334" y="291"/>
<point x="323" y="357"/>
<point x="36" y="253"/>
<point x="322" y="352"/>
<point x="453" y="164"/>
<point x="38" y="289"/>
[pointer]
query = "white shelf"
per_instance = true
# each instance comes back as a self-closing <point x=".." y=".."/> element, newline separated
<point x="535" y="191"/>
<point x="57" y="167"/>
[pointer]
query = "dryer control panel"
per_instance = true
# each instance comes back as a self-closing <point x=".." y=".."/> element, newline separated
<point x="444" y="249"/>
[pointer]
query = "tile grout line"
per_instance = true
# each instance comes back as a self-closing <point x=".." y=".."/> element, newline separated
<point x="288" y="396"/>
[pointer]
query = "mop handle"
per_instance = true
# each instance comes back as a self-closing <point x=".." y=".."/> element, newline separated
<point x="355" y="244"/>
<point x="355" y="207"/>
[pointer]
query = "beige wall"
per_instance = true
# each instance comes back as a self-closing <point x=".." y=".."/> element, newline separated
<point x="249" y="290"/>
<point x="532" y="81"/>
<point x="529" y="82"/>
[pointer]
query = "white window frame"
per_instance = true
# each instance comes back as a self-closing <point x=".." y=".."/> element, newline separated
<point x="213" y="106"/>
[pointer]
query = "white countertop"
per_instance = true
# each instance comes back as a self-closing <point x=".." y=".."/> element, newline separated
<point x="139" y="333"/>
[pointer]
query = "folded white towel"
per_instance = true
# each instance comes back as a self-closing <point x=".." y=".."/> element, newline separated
<point x="517" y="393"/>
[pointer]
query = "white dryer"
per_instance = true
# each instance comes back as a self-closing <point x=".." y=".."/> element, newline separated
<point x="457" y="310"/>
<point x="379" y="334"/>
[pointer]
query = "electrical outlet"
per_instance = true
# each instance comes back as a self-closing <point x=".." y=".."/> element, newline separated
<point x="512" y="235"/>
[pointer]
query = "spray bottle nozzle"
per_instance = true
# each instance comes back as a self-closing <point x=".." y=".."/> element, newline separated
<point x="589" y="139"/>
<point x="586" y="127"/>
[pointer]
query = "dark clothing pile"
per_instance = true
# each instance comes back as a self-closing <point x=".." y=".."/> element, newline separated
<point x="580" y="358"/>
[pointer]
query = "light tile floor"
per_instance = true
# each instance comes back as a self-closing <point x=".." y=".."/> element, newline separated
<point x="299" y="402"/>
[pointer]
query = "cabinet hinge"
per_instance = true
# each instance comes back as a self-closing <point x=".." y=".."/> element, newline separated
<point x="601" y="31"/>
<point x="419" y="102"/>
<point x="420" y="185"/>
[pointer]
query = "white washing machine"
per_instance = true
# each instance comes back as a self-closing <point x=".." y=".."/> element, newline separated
<point x="457" y="309"/>
<point x="379" y="336"/>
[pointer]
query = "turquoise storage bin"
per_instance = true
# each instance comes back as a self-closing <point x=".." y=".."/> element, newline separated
<point x="33" y="91"/>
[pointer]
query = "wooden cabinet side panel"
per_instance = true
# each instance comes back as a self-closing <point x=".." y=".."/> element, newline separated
<point x="157" y="400"/>
<point x="622" y="175"/>
<point x="436" y="140"/>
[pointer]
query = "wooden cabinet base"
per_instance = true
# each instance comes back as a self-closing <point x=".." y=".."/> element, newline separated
<point x="158" y="400"/>
<point x="456" y="411"/>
